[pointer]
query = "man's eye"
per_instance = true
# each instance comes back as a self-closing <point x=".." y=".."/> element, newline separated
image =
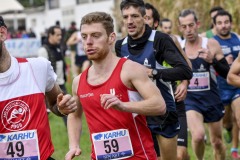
<point x="96" y="35"/>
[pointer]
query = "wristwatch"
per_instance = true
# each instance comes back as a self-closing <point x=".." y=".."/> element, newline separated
<point x="154" y="73"/>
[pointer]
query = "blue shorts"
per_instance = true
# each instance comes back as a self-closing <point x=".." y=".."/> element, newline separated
<point x="169" y="131"/>
<point x="227" y="96"/>
<point x="210" y="113"/>
<point x="182" y="135"/>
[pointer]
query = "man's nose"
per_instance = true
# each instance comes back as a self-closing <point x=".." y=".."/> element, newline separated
<point x="129" y="19"/>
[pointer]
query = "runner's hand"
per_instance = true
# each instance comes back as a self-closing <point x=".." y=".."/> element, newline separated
<point x="181" y="92"/>
<point x="72" y="153"/>
<point x="111" y="101"/>
<point x="206" y="55"/>
<point x="66" y="104"/>
<point x="229" y="59"/>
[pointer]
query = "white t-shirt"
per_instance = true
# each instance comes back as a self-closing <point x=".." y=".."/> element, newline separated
<point x="41" y="68"/>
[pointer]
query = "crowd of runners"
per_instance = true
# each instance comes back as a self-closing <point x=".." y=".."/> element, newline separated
<point x="140" y="94"/>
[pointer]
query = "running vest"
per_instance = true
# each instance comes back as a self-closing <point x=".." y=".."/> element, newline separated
<point x="128" y="129"/>
<point x="229" y="46"/>
<point x="24" y="127"/>
<point x="147" y="58"/>
<point x="202" y="90"/>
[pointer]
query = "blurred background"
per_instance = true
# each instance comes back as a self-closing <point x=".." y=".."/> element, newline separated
<point x="37" y="15"/>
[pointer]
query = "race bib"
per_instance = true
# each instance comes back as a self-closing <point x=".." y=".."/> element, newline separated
<point x="115" y="144"/>
<point x="199" y="82"/>
<point x="22" y="145"/>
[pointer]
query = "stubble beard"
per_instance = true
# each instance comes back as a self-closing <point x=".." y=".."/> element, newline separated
<point x="99" y="56"/>
<point x="225" y="34"/>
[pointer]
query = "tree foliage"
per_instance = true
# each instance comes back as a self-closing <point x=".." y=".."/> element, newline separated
<point x="171" y="8"/>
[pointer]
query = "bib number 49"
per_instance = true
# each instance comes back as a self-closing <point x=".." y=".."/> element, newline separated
<point x="18" y="149"/>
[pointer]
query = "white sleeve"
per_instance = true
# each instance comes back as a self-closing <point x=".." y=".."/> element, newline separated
<point x="42" y="52"/>
<point x="43" y="72"/>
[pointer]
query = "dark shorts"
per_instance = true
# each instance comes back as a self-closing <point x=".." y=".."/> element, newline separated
<point x="181" y="109"/>
<point x="170" y="131"/>
<point x="210" y="113"/>
<point x="227" y="96"/>
<point x="183" y="134"/>
<point x="80" y="59"/>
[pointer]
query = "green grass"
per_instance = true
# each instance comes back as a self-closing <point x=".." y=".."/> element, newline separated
<point x="60" y="139"/>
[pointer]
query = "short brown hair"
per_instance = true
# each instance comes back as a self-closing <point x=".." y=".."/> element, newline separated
<point x="99" y="17"/>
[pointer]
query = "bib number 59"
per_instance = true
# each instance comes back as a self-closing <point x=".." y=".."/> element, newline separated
<point x="111" y="145"/>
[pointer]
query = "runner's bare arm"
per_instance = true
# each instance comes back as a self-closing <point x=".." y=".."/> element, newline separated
<point x="152" y="103"/>
<point x="72" y="40"/>
<point x="219" y="62"/>
<point x="233" y="77"/>
<point x="74" y="125"/>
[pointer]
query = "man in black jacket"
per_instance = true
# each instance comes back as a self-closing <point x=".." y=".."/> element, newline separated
<point x="179" y="88"/>
<point x="51" y="50"/>
<point x="151" y="48"/>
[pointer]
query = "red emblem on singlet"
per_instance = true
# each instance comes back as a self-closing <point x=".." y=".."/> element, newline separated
<point x="15" y="115"/>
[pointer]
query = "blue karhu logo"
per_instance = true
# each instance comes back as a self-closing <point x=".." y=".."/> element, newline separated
<point x="2" y="137"/>
<point x="98" y="136"/>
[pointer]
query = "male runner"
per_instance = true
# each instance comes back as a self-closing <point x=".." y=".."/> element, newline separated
<point x="180" y="91"/>
<point x="203" y="103"/>
<point x="230" y="95"/>
<point x="24" y="83"/>
<point x="151" y="48"/>
<point x="212" y="31"/>
<point x="114" y="95"/>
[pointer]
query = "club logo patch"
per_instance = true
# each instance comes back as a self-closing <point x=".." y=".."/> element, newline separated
<point x="15" y="115"/>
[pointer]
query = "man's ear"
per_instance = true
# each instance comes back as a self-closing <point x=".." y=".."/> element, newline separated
<point x="156" y="23"/>
<point x="198" y="24"/>
<point x="145" y="17"/>
<point x="112" y="38"/>
<point x="3" y="33"/>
